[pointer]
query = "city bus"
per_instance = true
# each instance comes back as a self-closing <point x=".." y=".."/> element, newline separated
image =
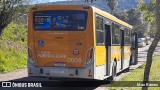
<point x="78" y="42"/>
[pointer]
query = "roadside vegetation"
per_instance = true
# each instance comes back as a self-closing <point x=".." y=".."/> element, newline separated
<point x="13" y="47"/>
<point x="137" y="75"/>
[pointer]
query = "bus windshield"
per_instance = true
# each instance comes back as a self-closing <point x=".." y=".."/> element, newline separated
<point x="60" y="20"/>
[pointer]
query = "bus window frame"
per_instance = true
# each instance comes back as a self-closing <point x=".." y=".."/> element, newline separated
<point x="113" y="36"/>
<point x="33" y="20"/>
<point x="122" y="37"/>
<point x="111" y="23"/>
<point x="130" y="32"/>
<point x="102" y="31"/>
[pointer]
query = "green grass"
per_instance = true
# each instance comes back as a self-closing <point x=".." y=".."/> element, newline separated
<point x="137" y="75"/>
<point x="15" y="32"/>
<point x="13" y="48"/>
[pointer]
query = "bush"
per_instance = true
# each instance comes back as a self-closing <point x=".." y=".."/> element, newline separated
<point x="13" y="48"/>
<point x="15" y="32"/>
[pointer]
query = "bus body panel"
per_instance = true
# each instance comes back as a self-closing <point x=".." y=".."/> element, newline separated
<point x="60" y="49"/>
<point x="116" y="53"/>
<point x="127" y="52"/>
<point x="59" y="45"/>
<point x="116" y="50"/>
<point x="100" y="55"/>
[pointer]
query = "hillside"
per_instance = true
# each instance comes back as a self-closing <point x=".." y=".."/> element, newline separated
<point x="128" y="4"/>
<point x="102" y="4"/>
<point x="13" y="47"/>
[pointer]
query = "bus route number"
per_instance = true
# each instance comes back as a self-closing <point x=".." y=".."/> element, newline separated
<point x="74" y="60"/>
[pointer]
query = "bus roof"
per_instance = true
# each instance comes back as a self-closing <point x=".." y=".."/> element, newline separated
<point x="98" y="11"/>
<point x="111" y="17"/>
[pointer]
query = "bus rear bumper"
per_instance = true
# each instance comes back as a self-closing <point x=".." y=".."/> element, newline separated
<point x="61" y="72"/>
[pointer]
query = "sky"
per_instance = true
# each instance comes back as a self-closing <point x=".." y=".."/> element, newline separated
<point x="55" y="0"/>
<point x="45" y="1"/>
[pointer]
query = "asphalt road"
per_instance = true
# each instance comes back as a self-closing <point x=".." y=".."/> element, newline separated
<point x="21" y="75"/>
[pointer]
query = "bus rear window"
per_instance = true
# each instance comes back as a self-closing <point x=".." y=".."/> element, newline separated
<point x="60" y="20"/>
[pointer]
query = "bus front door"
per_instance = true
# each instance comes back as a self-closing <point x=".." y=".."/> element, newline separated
<point x="108" y="48"/>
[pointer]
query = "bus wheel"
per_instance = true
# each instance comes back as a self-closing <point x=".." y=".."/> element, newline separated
<point x="114" y="70"/>
<point x="132" y="59"/>
<point x="130" y="63"/>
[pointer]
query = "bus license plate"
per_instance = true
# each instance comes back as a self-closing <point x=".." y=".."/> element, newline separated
<point x="59" y="64"/>
<point x="57" y="71"/>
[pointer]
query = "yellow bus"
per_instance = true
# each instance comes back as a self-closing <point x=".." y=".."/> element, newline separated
<point x="77" y="41"/>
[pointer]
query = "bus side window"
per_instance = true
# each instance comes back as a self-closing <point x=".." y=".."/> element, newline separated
<point x="115" y="34"/>
<point x="99" y="31"/>
<point x="127" y="37"/>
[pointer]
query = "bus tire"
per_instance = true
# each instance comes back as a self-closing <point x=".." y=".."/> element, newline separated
<point x="127" y="69"/>
<point x="114" y="71"/>
<point x="130" y="63"/>
<point x="131" y="60"/>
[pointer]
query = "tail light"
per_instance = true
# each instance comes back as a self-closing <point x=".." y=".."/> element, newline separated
<point x="30" y="55"/>
<point x="89" y="56"/>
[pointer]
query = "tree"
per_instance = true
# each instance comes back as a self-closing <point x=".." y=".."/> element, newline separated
<point x="112" y="5"/>
<point x="7" y="11"/>
<point x="21" y="14"/>
<point x="133" y="17"/>
<point x="11" y="9"/>
<point x="148" y="10"/>
<point x="150" y="18"/>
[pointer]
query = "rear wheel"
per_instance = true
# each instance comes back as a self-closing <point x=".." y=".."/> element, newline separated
<point x="127" y="70"/>
<point x="133" y="59"/>
<point x="114" y="70"/>
<point x="130" y="62"/>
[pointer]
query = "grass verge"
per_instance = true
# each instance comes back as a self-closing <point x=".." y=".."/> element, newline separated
<point x="127" y="82"/>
